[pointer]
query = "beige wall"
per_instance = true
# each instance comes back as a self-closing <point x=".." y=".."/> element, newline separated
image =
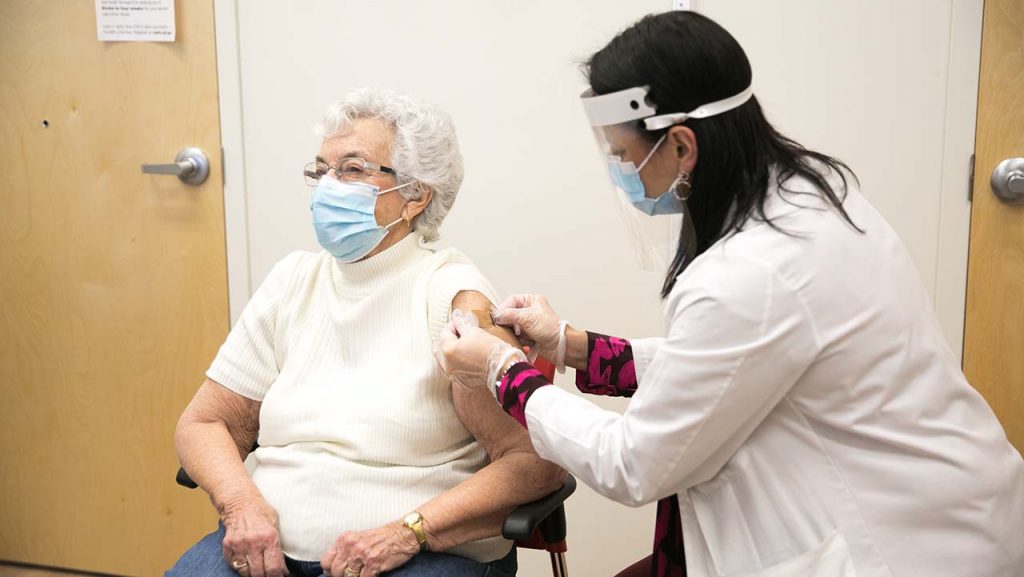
<point x="886" y="86"/>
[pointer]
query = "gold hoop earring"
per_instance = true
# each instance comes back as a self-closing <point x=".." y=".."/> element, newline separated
<point x="682" y="188"/>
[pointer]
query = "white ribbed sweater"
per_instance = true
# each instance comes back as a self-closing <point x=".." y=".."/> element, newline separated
<point x="357" y="426"/>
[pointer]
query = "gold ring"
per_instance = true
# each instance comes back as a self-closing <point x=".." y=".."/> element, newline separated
<point x="350" y="573"/>
<point x="236" y="564"/>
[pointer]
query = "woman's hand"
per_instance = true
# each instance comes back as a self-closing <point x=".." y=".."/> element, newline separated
<point x="369" y="553"/>
<point x="534" y="322"/>
<point x="471" y="356"/>
<point x="252" y="544"/>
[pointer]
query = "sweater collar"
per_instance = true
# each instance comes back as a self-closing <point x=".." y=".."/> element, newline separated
<point x="370" y="272"/>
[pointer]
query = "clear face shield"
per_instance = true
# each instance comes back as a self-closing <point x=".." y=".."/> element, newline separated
<point x="615" y="119"/>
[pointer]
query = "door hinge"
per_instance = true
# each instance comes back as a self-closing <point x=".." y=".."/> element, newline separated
<point x="970" y="180"/>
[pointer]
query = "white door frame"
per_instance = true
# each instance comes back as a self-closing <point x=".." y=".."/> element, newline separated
<point x="958" y="148"/>
<point x="236" y="211"/>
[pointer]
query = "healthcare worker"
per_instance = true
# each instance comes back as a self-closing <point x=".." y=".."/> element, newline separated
<point x="803" y="416"/>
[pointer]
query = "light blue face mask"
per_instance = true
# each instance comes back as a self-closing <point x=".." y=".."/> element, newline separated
<point x="626" y="175"/>
<point x="343" y="218"/>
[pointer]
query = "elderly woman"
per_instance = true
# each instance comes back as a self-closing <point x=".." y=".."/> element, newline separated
<point x="365" y="466"/>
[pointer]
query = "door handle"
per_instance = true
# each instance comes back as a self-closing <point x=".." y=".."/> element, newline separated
<point x="190" y="166"/>
<point x="1008" y="181"/>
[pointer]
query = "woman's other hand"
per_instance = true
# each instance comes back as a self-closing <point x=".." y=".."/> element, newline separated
<point x="252" y="543"/>
<point x="370" y="553"/>
<point x="534" y="322"/>
<point x="471" y="356"/>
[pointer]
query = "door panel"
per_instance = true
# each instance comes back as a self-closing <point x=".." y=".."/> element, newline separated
<point x="113" y="285"/>
<point x="994" y="331"/>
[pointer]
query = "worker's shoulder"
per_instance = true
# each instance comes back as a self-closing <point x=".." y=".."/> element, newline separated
<point x="796" y="229"/>
<point x="729" y="267"/>
<point x="743" y="272"/>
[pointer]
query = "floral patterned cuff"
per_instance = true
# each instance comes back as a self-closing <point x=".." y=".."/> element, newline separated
<point x="516" y="387"/>
<point x="610" y="368"/>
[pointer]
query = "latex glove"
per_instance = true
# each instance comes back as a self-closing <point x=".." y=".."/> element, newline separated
<point x="370" y="553"/>
<point x="534" y="322"/>
<point x="471" y="356"/>
<point x="252" y="544"/>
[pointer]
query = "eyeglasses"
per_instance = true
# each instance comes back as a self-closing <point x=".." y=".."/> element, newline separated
<point x="348" y="169"/>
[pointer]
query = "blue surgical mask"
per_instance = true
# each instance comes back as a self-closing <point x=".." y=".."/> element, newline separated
<point x="343" y="218"/>
<point x="626" y="175"/>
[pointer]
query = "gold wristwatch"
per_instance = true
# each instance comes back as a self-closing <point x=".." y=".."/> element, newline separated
<point x="414" y="521"/>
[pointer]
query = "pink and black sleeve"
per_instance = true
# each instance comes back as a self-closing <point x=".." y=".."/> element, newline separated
<point x="610" y="371"/>
<point x="610" y="368"/>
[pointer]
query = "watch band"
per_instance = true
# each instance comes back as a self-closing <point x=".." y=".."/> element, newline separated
<point x="414" y="521"/>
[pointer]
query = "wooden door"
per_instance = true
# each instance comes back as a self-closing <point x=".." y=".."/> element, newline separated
<point x="113" y="288"/>
<point x="994" y="331"/>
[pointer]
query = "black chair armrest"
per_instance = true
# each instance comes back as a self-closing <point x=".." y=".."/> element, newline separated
<point x="184" y="480"/>
<point x="547" y="513"/>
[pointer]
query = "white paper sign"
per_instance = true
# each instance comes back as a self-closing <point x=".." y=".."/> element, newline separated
<point x="135" y="20"/>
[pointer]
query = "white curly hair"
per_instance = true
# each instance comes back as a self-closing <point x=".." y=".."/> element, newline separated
<point x="425" y="147"/>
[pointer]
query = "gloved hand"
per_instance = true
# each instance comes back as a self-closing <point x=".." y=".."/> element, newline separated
<point x="471" y="356"/>
<point x="535" y="324"/>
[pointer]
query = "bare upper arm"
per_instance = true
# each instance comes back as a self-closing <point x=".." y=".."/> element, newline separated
<point x="214" y="403"/>
<point x="496" y="431"/>
<point x="474" y="301"/>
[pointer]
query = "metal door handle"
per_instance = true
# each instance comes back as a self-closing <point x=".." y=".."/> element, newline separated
<point x="1008" y="181"/>
<point x="191" y="166"/>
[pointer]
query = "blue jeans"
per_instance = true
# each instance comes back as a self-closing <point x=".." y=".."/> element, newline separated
<point x="205" y="559"/>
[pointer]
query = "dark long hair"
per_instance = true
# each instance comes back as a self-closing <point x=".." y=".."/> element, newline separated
<point x="688" y="60"/>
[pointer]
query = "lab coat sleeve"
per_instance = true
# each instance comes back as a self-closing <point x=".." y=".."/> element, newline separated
<point x="739" y="338"/>
<point x="643" y="353"/>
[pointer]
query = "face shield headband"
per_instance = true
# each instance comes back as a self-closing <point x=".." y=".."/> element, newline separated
<point x="633" y="104"/>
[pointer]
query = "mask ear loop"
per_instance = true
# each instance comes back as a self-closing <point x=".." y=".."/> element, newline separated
<point x="400" y="218"/>
<point x="393" y="188"/>
<point x="651" y="153"/>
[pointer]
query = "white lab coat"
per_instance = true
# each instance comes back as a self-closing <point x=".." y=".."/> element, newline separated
<point x="807" y="411"/>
